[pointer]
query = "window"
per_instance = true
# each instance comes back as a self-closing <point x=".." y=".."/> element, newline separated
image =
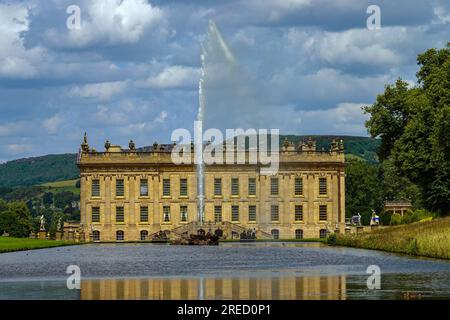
<point x="120" y="192"/>
<point x="273" y="186"/>
<point x="274" y="213"/>
<point x="95" y="191"/>
<point x="234" y="213"/>
<point x="323" y="233"/>
<point x="166" y="214"/>
<point x="298" y="187"/>
<point x="252" y="213"/>
<point x="95" y="214"/>
<point x="144" y="188"/>
<point x="275" y="233"/>
<point x="322" y="186"/>
<point x="217" y="187"/>
<point x="166" y="187"/>
<point x="235" y="186"/>
<point x="252" y="186"/>
<point x="218" y="214"/>
<point x="119" y="214"/>
<point x="299" y="212"/>
<point x="183" y="187"/>
<point x="120" y="236"/>
<point x="144" y="214"/>
<point x="95" y="235"/>
<point x="299" y="234"/>
<point x="183" y="213"/>
<point x="144" y="235"/>
<point x="322" y="212"/>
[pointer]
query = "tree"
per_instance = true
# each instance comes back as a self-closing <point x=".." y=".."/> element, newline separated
<point x="63" y="199"/>
<point x="47" y="199"/>
<point x="362" y="189"/>
<point x="414" y="126"/>
<point x="15" y="220"/>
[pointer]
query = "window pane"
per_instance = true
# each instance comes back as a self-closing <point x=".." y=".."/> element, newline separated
<point x="166" y="214"/>
<point x="323" y="212"/>
<point x="298" y="186"/>
<point x="166" y="187"/>
<point x="274" y="186"/>
<point x="235" y="186"/>
<point x="234" y="213"/>
<point x="274" y="213"/>
<point x="95" y="191"/>
<point x="252" y="213"/>
<point x="299" y="234"/>
<point x="298" y="213"/>
<point x="275" y="233"/>
<point x="144" y="187"/>
<point x="217" y="187"/>
<point x="251" y="186"/>
<point x="183" y="187"/>
<point x="322" y="186"/>
<point x="95" y="214"/>
<point x="120" y="236"/>
<point x="119" y="214"/>
<point x="119" y="188"/>
<point x="218" y="214"/>
<point x="184" y="213"/>
<point x="144" y="214"/>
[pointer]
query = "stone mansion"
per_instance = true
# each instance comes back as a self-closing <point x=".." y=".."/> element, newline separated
<point x="131" y="194"/>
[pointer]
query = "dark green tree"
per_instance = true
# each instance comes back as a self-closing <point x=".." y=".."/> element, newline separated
<point x="362" y="189"/>
<point x="414" y="127"/>
<point x="47" y="199"/>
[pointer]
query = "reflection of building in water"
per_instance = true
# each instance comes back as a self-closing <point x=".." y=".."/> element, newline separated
<point x="131" y="194"/>
<point x="283" y="288"/>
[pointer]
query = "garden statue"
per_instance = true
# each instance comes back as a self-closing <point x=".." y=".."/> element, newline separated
<point x="356" y="220"/>
<point x="42" y="220"/>
<point x="375" y="219"/>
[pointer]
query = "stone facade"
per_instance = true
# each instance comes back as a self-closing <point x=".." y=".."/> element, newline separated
<point x="115" y="207"/>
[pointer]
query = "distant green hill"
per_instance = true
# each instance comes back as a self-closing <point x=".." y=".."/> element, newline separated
<point x="51" y="168"/>
<point x="38" y="170"/>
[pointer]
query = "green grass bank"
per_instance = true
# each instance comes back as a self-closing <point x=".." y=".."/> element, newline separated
<point x="425" y="238"/>
<point x="9" y="244"/>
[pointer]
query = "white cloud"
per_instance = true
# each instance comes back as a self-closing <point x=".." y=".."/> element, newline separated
<point x="111" y="22"/>
<point x="18" y="148"/>
<point x="16" y="61"/>
<point x="348" y="47"/>
<point x="98" y="91"/>
<point x="173" y="77"/>
<point x="52" y="124"/>
<point x="12" y="128"/>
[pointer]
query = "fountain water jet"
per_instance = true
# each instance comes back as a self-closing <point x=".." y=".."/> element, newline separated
<point x="213" y="34"/>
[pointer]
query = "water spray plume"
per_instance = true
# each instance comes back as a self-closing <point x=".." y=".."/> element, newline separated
<point x="214" y="32"/>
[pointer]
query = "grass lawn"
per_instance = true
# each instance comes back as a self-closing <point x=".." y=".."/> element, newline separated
<point x="8" y="244"/>
<point x="424" y="238"/>
<point x="60" y="186"/>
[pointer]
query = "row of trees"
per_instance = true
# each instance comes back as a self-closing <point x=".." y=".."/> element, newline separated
<point x="413" y="124"/>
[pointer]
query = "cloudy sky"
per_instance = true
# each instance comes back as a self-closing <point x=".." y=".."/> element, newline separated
<point x="132" y="69"/>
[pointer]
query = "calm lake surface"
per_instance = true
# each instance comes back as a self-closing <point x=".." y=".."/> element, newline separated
<point x="229" y="271"/>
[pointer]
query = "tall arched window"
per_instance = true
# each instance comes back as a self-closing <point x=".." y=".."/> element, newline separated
<point x="95" y="235"/>
<point x="144" y="235"/>
<point x="299" y="234"/>
<point x="120" y="236"/>
<point x="275" y="233"/>
<point x="323" y="233"/>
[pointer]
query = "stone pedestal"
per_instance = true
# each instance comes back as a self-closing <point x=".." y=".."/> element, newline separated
<point x="359" y="229"/>
<point x="58" y="235"/>
<point x="42" y="235"/>
<point x="348" y="230"/>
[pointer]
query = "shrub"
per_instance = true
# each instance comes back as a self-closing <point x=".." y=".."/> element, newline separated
<point x="332" y="239"/>
<point x="396" y="219"/>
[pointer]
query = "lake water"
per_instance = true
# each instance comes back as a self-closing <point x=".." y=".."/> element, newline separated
<point x="228" y="271"/>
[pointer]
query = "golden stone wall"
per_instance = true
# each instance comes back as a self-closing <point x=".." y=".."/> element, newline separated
<point x="107" y="167"/>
